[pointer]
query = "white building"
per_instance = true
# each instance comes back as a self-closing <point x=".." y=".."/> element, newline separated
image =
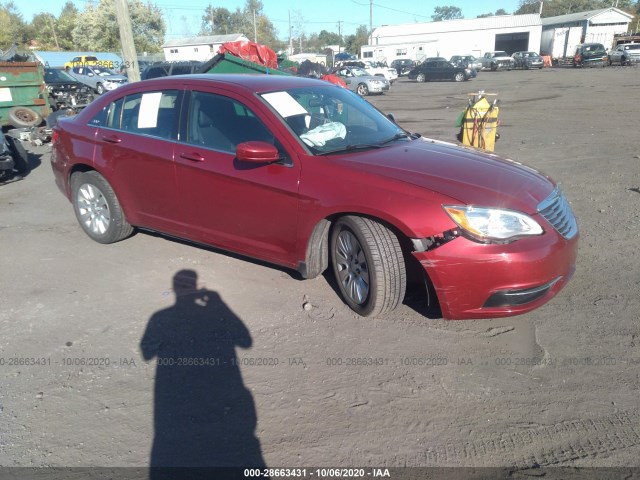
<point x="198" y="48"/>
<point x="561" y="34"/>
<point x="474" y="36"/>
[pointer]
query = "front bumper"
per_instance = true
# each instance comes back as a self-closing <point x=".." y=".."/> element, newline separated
<point x="474" y="280"/>
<point x="378" y="88"/>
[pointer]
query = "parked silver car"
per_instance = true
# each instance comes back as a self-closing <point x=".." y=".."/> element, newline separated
<point x="625" y="54"/>
<point x="101" y="79"/>
<point x="498" y="60"/>
<point x="467" y="61"/>
<point x="358" y="80"/>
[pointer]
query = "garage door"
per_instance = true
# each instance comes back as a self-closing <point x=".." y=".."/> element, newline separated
<point x="512" y="42"/>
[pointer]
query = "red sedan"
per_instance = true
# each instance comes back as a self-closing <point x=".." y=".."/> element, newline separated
<point x="305" y="174"/>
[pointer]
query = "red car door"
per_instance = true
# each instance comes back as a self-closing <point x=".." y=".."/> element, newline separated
<point x="134" y="150"/>
<point x="245" y="207"/>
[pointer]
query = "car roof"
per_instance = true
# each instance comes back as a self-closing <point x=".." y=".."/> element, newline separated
<point x="257" y="82"/>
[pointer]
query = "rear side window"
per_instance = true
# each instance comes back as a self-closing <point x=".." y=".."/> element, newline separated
<point x="150" y="113"/>
<point x="181" y="69"/>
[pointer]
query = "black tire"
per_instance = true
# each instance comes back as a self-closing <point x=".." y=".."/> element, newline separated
<point x="362" y="90"/>
<point x="103" y="199"/>
<point x="458" y="77"/>
<point x="372" y="261"/>
<point x="24" y="117"/>
<point x="99" y="89"/>
<point x="19" y="154"/>
<point x="421" y="77"/>
<point x="623" y="61"/>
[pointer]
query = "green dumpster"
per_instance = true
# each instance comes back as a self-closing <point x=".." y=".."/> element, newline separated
<point x="226" y="63"/>
<point x="23" y="95"/>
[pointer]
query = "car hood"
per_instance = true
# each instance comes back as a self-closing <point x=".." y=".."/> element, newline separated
<point x="464" y="174"/>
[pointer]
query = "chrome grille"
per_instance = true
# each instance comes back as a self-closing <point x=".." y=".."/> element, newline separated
<point x="557" y="211"/>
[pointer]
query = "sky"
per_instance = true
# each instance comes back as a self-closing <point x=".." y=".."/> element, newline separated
<point x="183" y="17"/>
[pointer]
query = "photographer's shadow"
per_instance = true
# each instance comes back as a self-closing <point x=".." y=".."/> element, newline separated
<point x="203" y="414"/>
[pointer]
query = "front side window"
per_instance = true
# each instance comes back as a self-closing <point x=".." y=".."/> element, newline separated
<point x="221" y="123"/>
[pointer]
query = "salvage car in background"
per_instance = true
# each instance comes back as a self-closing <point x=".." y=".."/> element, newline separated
<point x="403" y="66"/>
<point x="307" y="175"/>
<point x="498" y="60"/>
<point x="590" y="55"/>
<point x="527" y="60"/>
<point x="625" y="54"/>
<point x="467" y="61"/>
<point x="100" y="79"/>
<point x="64" y="90"/>
<point x="361" y="82"/>
<point x="439" y="70"/>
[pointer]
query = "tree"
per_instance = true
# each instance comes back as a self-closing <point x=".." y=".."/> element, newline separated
<point x="563" y="7"/>
<point x="97" y="28"/>
<point x="500" y="11"/>
<point x="354" y="42"/>
<point x="12" y="27"/>
<point x="221" y="21"/>
<point x="65" y="24"/>
<point x="446" y="13"/>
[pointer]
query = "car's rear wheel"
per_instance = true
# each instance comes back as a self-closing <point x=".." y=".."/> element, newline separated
<point x="97" y="208"/>
<point x="362" y="90"/>
<point x="100" y="88"/>
<point x="459" y="77"/>
<point x="368" y="265"/>
<point x="421" y="77"/>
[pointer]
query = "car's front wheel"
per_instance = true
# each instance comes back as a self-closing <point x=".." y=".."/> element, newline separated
<point x="100" y="88"/>
<point x="97" y="208"/>
<point x="421" y="77"/>
<point x="459" y="77"/>
<point x="368" y="265"/>
<point x="362" y="90"/>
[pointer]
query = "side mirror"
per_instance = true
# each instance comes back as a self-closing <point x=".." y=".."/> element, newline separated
<point x="257" y="152"/>
<point x="391" y="117"/>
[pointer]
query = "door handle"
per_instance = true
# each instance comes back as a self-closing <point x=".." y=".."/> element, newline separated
<point x="194" y="157"/>
<point x="111" y="139"/>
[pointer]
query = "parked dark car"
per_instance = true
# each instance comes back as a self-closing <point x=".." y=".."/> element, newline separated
<point x="439" y="70"/>
<point x="165" y="69"/>
<point x="64" y="90"/>
<point x="403" y="66"/>
<point x="307" y="175"/>
<point x="527" y="60"/>
<point x="590" y="55"/>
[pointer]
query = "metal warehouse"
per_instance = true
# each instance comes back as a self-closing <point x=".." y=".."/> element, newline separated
<point x="417" y="41"/>
<point x="561" y="34"/>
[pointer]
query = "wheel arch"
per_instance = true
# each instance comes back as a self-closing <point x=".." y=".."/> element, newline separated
<point x="316" y="259"/>
<point x="83" y="168"/>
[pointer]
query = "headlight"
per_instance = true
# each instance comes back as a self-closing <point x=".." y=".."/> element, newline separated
<point x="489" y="225"/>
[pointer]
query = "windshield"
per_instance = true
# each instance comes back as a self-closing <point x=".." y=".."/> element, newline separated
<point x="103" y="72"/>
<point x="359" y="72"/>
<point x="632" y="47"/>
<point x="330" y="119"/>
<point x="500" y="54"/>
<point x="531" y="54"/>
<point x="53" y="75"/>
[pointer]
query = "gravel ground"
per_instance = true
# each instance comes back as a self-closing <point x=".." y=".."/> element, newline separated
<point x="81" y="325"/>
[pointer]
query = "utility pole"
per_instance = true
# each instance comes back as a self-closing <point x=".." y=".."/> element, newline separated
<point x="255" y="29"/>
<point x="290" y="40"/>
<point x="541" y="4"/>
<point x="370" y="22"/>
<point x="126" y="40"/>
<point x="339" y="34"/>
<point x="53" y="29"/>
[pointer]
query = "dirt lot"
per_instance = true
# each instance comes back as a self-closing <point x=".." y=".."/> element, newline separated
<point x="291" y="386"/>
